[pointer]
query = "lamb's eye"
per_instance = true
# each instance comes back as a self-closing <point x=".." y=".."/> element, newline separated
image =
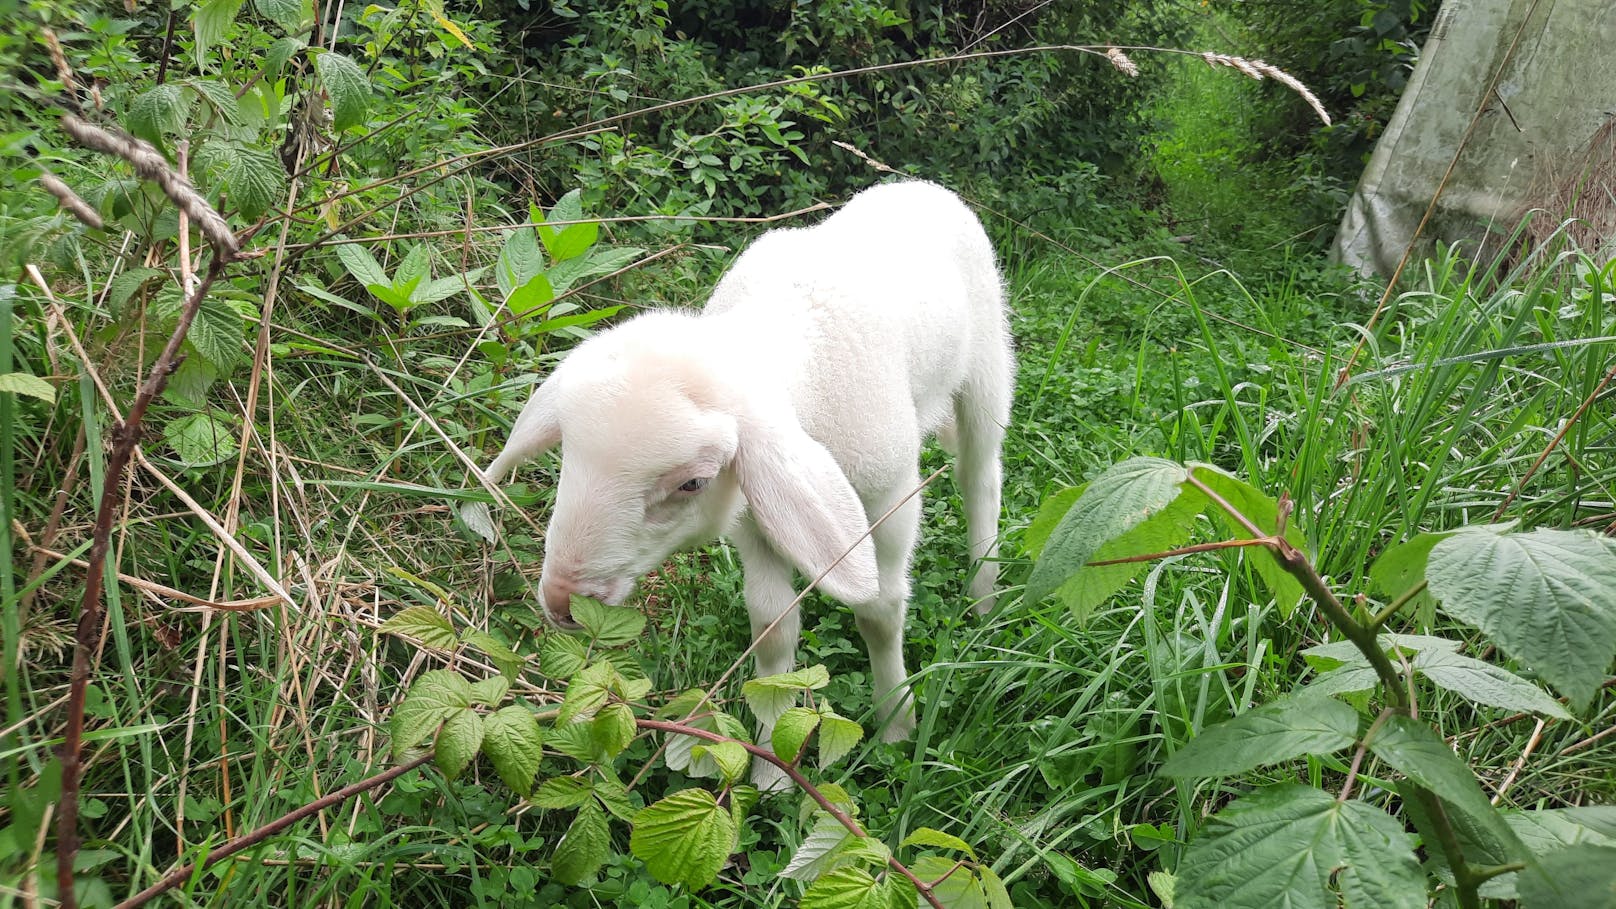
<point x="695" y="484"/>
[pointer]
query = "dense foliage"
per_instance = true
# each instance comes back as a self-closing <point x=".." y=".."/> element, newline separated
<point x="435" y="203"/>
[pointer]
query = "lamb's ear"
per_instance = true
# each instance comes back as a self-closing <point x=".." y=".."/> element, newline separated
<point x="537" y="430"/>
<point x="805" y="507"/>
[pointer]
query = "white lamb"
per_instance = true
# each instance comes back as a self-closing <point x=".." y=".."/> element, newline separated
<point x="789" y="416"/>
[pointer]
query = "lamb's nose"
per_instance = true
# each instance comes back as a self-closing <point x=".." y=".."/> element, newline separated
<point x="558" y="593"/>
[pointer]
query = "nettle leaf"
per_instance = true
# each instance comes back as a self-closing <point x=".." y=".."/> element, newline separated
<point x="1118" y="500"/>
<point x="358" y="262"/>
<point x="288" y="14"/>
<point x="854" y="888"/>
<point x="562" y="792"/>
<point x="613" y="729"/>
<point x="585" y="846"/>
<point x="608" y="626"/>
<point x="837" y="736"/>
<point x="216" y="333"/>
<point x="281" y="53"/>
<point x="514" y="743"/>
<point x="1554" y="828"/>
<point x="770" y="696"/>
<point x="158" y="111"/>
<point x="489" y="692"/>
<point x="821" y="849"/>
<point x="22" y="383"/>
<point x="200" y="440"/>
<point x="1419" y="753"/>
<point x="423" y="623"/>
<point x="1280" y="846"/>
<point x="508" y="661"/>
<point x="1287" y="728"/>
<point x="1336" y="653"/>
<point x="731" y="758"/>
<point x="256" y="178"/>
<point x="219" y="97"/>
<point x="1578" y="877"/>
<point x="561" y="656"/>
<point x="458" y="742"/>
<point x="347" y="86"/>
<point x="212" y="22"/>
<point x="1262" y="510"/>
<point x="1548" y="598"/>
<point x="926" y="836"/>
<point x="1400" y="567"/>
<point x="791" y="732"/>
<point x="124" y="286"/>
<point x="1485" y="683"/>
<point x="684" y="838"/>
<point x="1348" y="679"/>
<point x="1167" y="529"/>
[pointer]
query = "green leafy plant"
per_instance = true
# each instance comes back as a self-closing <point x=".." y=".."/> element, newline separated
<point x="1546" y="597"/>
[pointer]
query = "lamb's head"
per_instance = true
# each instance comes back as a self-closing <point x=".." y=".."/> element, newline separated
<point x="665" y="439"/>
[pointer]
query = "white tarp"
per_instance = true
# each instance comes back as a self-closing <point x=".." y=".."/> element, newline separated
<point x="1557" y="91"/>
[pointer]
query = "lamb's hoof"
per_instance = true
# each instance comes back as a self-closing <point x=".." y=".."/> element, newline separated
<point x="900" y="727"/>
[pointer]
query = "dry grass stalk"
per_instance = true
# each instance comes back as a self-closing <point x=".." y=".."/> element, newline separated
<point x="1257" y="69"/>
<point x="1579" y="196"/>
<point x="1121" y="61"/>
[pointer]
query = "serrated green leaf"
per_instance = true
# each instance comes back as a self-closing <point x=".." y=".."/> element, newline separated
<point x="437" y="695"/>
<point x="458" y="742"/>
<point x="280" y="53"/>
<point x="854" y="888"/>
<point x="158" y="111"/>
<point x="614" y="794"/>
<point x="576" y="320"/>
<point x="731" y="758"/>
<point x="423" y="623"/>
<point x="489" y="692"/>
<point x="1279" y="847"/>
<point x="216" y="334"/>
<point x="569" y="207"/>
<point x="347" y="87"/>
<point x="562" y="792"/>
<point x="22" y="383"/>
<point x="358" y="262"/>
<point x="531" y="298"/>
<point x="1485" y="683"/>
<point x="575" y="740"/>
<point x="613" y="729"/>
<point x="561" y="656"/>
<point x="1548" y="598"/>
<point x="415" y="267"/>
<point x="1279" y="731"/>
<point x="200" y="440"/>
<point x="1054" y="508"/>
<point x="1164" y="885"/>
<point x="821" y="850"/>
<point x="508" y="661"/>
<point x="1165" y="530"/>
<point x="288" y="14"/>
<point x="212" y="22"/>
<point x="993" y="888"/>
<point x="1544" y="831"/>
<point x="1117" y="501"/>
<point x="124" y="286"/>
<point x="791" y="731"/>
<point x="1419" y="753"/>
<point x="957" y="885"/>
<point x="1577" y="877"/>
<point x="680" y="755"/>
<point x="519" y="262"/>
<point x="219" y="97"/>
<point x="563" y="275"/>
<point x="1263" y="511"/>
<point x="608" y="626"/>
<point x="441" y="288"/>
<point x="1328" y="656"/>
<point x="684" y="838"/>
<point x="837" y="736"/>
<point x="573" y="241"/>
<point x="926" y="836"/>
<point x="1346" y="679"/>
<point x="1397" y="570"/>
<point x="769" y="697"/>
<point x="584" y="848"/>
<point x="255" y="177"/>
<point x="587" y="692"/>
<point x="514" y="744"/>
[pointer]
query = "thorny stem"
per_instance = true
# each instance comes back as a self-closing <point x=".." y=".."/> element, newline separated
<point x="1295" y="563"/>
<point x="180" y="875"/>
<point x="802" y="782"/>
<point x="125" y="436"/>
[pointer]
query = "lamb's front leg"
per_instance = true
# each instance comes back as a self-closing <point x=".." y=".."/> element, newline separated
<point x="769" y="595"/>
<point x="881" y="622"/>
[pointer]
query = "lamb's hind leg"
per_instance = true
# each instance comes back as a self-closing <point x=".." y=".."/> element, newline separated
<point x="980" y="413"/>
<point x="881" y="622"/>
